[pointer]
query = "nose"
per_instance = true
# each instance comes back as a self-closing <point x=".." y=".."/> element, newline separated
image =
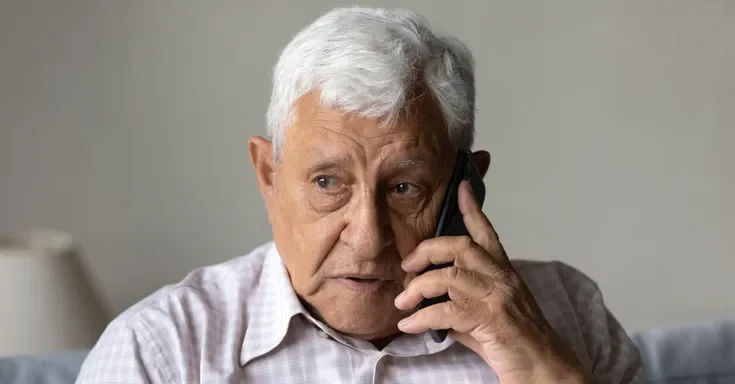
<point x="368" y="229"/>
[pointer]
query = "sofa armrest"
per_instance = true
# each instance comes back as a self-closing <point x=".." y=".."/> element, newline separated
<point x="697" y="353"/>
<point x="53" y="368"/>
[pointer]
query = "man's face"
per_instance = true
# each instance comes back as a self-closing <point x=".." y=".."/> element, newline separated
<point x="348" y="200"/>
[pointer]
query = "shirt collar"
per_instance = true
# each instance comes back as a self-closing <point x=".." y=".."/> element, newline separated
<point x="270" y="308"/>
<point x="273" y="303"/>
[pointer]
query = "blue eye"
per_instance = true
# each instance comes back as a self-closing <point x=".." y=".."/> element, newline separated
<point x="325" y="182"/>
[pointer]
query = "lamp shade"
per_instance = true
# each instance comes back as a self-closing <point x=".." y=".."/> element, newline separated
<point x="46" y="300"/>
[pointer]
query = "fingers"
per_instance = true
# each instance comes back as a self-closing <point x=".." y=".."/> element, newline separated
<point x="437" y="316"/>
<point x="462" y="251"/>
<point x="453" y="280"/>
<point x="478" y="225"/>
<point x="447" y="315"/>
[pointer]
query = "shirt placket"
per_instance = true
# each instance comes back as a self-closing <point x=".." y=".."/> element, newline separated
<point x="376" y="367"/>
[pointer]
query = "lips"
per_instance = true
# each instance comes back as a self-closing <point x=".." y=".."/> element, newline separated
<point x="363" y="276"/>
<point x="362" y="284"/>
<point x="365" y="280"/>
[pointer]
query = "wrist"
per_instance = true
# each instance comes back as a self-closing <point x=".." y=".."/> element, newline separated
<point x="547" y="362"/>
<point x="559" y="368"/>
<point x="546" y="377"/>
<point x="562" y="371"/>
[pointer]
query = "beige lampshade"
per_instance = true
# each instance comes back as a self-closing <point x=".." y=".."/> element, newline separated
<point x="46" y="300"/>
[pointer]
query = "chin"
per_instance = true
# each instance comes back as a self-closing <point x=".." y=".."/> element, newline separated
<point x="365" y="326"/>
<point x="365" y="316"/>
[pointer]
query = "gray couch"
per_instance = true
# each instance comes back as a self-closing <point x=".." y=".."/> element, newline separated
<point x="701" y="353"/>
<point x="695" y="354"/>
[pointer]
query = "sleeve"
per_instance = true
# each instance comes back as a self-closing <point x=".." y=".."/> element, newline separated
<point x="126" y="354"/>
<point x="615" y="358"/>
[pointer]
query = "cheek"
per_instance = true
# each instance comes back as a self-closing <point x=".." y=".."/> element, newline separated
<point x="422" y="224"/>
<point x="304" y="238"/>
<point x="409" y="233"/>
<point x="314" y="226"/>
<point x="295" y="213"/>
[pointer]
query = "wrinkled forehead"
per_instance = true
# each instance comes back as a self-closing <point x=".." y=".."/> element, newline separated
<point x="320" y="128"/>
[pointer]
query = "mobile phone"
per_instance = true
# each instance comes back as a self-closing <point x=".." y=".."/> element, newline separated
<point x="450" y="222"/>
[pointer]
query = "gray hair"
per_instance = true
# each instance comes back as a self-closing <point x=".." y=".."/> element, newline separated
<point x="367" y="61"/>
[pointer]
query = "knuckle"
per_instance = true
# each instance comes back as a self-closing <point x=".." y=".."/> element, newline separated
<point x="495" y="248"/>
<point x="465" y="242"/>
<point x="490" y="293"/>
<point x="453" y="310"/>
<point x="513" y="279"/>
<point x="485" y="239"/>
<point x="451" y="273"/>
<point x="420" y="247"/>
<point x="482" y="281"/>
<point x="510" y="299"/>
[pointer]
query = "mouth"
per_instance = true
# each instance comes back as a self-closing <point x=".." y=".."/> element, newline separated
<point x="363" y="280"/>
<point x="362" y="285"/>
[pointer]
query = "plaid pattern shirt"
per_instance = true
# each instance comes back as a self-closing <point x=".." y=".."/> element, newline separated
<point x="241" y="322"/>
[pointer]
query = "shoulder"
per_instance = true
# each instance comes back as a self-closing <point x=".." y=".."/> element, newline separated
<point x="175" y="325"/>
<point x="573" y="304"/>
<point x="569" y="299"/>
<point x="548" y="279"/>
<point x="213" y="289"/>
<point x="565" y="296"/>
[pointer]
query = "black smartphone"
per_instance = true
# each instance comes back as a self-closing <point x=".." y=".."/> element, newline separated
<point x="450" y="222"/>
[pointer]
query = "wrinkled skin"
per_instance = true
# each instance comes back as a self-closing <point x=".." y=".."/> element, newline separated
<point x="378" y="197"/>
<point x="350" y="198"/>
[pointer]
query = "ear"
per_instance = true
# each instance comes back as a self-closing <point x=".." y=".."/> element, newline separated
<point x="482" y="161"/>
<point x="261" y="156"/>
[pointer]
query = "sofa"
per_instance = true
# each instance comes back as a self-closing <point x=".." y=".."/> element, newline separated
<point x="702" y="353"/>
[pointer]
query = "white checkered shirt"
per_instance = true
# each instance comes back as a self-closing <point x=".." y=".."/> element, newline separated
<point x="241" y="322"/>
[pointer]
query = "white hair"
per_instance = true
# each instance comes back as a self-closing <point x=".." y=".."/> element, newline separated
<point x="367" y="61"/>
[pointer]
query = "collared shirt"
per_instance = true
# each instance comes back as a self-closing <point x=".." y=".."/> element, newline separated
<point x="241" y="322"/>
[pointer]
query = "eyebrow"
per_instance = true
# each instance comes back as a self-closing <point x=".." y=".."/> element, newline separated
<point x="325" y="162"/>
<point x="409" y="163"/>
<point x="330" y="162"/>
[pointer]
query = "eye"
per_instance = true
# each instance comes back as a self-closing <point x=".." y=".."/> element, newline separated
<point x="405" y="189"/>
<point x="326" y="182"/>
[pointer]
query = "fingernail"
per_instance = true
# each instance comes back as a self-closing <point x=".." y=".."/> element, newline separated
<point x="404" y="323"/>
<point x="469" y="188"/>
<point x="400" y="297"/>
<point x="405" y="262"/>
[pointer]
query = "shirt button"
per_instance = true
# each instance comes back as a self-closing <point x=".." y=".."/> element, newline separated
<point x="323" y="334"/>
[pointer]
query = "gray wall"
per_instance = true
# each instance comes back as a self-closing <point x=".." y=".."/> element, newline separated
<point x="611" y="126"/>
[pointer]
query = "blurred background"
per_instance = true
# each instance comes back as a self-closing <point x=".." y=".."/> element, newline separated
<point x="611" y="124"/>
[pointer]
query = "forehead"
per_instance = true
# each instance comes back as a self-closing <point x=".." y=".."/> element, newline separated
<point x="321" y="130"/>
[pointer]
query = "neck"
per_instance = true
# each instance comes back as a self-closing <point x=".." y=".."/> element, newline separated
<point x="384" y="341"/>
<point x="380" y="341"/>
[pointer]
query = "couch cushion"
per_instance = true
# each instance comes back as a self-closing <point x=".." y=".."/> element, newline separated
<point x="53" y="368"/>
<point x="701" y="353"/>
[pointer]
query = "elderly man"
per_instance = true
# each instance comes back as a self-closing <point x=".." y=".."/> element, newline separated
<point x="368" y="110"/>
